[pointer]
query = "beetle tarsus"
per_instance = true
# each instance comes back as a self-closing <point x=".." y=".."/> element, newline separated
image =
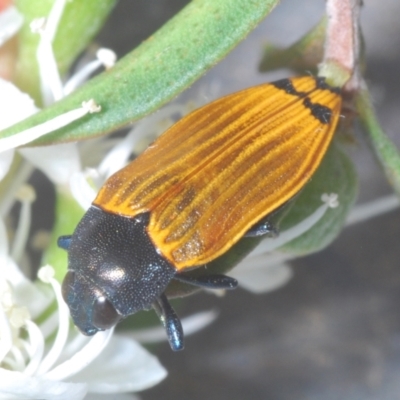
<point x="208" y="281"/>
<point x="261" y="229"/>
<point x="171" y="322"/>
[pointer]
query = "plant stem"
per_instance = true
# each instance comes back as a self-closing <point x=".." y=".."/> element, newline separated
<point x="340" y="64"/>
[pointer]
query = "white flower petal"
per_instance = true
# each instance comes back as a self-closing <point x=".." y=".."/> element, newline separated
<point x="264" y="279"/>
<point x="26" y="292"/>
<point x="5" y="162"/>
<point x="82" y="358"/>
<point x="191" y="324"/>
<point x="6" y="335"/>
<point x="16" y="385"/>
<point x="58" y="162"/>
<point x="119" y="396"/>
<point x="82" y="192"/>
<point x="10" y="22"/>
<point x="12" y="273"/>
<point x="8" y="198"/>
<point x="4" y="247"/>
<point x="14" y="105"/>
<point x="118" y="156"/>
<point x="76" y="342"/>
<point x="123" y="366"/>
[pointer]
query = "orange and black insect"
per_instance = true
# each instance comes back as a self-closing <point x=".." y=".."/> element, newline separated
<point x="200" y="187"/>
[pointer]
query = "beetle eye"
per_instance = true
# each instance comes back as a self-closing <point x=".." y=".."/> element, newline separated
<point x="104" y="314"/>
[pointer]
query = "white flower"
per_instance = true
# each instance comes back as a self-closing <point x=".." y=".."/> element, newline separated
<point x="47" y="361"/>
<point x="44" y="360"/>
<point x="68" y="366"/>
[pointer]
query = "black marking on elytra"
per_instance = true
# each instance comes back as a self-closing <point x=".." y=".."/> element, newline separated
<point x="322" y="113"/>
<point x="287" y="86"/>
<point x="321" y="84"/>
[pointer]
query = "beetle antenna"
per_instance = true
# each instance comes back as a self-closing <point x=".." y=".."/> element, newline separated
<point x="64" y="242"/>
<point x="208" y="281"/>
<point x="171" y="322"/>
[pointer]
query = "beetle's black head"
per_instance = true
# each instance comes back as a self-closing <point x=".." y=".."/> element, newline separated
<point x="90" y="309"/>
<point x="114" y="270"/>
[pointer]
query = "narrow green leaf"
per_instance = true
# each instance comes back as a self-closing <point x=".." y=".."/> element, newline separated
<point x="385" y="150"/>
<point x="164" y="65"/>
<point x="304" y="55"/>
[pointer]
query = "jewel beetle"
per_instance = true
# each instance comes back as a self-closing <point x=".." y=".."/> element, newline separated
<point x="209" y="180"/>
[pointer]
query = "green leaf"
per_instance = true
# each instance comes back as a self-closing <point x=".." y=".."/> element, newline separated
<point x="304" y="55"/>
<point x="80" y="22"/>
<point x="160" y="68"/>
<point x="335" y="175"/>
<point x="385" y="150"/>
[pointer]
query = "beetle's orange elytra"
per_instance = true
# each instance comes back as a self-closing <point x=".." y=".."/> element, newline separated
<point x="220" y="169"/>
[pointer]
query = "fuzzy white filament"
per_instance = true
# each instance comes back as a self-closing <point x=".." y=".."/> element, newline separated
<point x="105" y="57"/>
<point x="58" y="122"/>
<point x="50" y="81"/>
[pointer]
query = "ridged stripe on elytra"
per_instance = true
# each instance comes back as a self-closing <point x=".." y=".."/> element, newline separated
<point x="243" y="194"/>
<point x="238" y="147"/>
<point x="231" y="108"/>
<point x="196" y="150"/>
<point x="222" y="172"/>
<point x="237" y="150"/>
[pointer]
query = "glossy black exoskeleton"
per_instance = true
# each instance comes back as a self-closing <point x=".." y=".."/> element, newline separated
<point x="114" y="270"/>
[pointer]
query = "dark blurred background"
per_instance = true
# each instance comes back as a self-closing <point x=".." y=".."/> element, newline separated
<point x="333" y="332"/>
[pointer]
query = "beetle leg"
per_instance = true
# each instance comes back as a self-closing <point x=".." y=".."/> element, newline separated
<point x="208" y="281"/>
<point x="262" y="228"/>
<point x="171" y="322"/>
